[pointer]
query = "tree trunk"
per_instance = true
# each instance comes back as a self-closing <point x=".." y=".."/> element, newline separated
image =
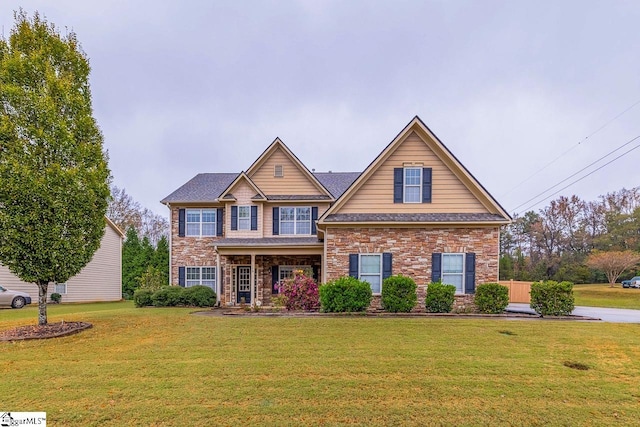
<point x="42" y="302"/>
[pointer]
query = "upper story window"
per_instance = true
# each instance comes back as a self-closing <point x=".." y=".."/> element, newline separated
<point x="295" y="220"/>
<point x="201" y="222"/>
<point x="412" y="185"/>
<point x="278" y="171"/>
<point x="244" y="217"/>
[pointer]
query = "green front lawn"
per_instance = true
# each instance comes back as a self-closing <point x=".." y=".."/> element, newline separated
<point x="168" y="367"/>
<point x="603" y="295"/>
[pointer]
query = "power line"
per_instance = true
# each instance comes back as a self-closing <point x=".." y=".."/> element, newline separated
<point x="572" y="148"/>
<point x="583" y="177"/>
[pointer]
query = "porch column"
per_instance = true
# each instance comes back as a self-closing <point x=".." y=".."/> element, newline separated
<point x="253" y="279"/>
<point x="219" y="279"/>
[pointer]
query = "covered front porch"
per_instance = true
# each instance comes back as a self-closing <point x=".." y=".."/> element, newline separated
<point x="251" y="268"/>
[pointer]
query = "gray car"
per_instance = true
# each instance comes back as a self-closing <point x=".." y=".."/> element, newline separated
<point x="13" y="299"/>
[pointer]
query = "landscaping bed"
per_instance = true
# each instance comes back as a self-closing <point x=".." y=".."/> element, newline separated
<point x="51" y="330"/>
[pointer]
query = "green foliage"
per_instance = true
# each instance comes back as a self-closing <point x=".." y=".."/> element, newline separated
<point x="439" y="297"/>
<point x="168" y="296"/>
<point x="491" y="298"/>
<point x="53" y="170"/>
<point x="199" y="296"/>
<point x="140" y="260"/>
<point x="152" y="279"/>
<point x="132" y="266"/>
<point x="551" y="298"/>
<point x="142" y="297"/>
<point x="344" y="295"/>
<point x="399" y="294"/>
<point x="160" y="258"/>
<point x="56" y="298"/>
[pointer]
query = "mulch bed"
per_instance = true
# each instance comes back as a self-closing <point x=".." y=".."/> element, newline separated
<point x="37" y="332"/>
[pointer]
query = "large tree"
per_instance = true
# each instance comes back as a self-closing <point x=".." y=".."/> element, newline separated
<point x="53" y="170"/>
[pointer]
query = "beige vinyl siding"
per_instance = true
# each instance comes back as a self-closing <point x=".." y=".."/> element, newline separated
<point x="268" y="214"/>
<point x="294" y="180"/>
<point x="243" y="193"/>
<point x="99" y="280"/>
<point x="449" y="194"/>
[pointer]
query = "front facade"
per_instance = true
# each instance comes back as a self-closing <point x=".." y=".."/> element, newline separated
<point x="415" y="210"/>
<point x="99" y="280"/>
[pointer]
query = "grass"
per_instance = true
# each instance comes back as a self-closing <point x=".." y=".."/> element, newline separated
<point x="162" y="367"/>
<point x="602" y="295"/>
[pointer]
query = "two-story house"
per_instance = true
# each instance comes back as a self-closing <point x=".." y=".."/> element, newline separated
<point x="415" y="210"/>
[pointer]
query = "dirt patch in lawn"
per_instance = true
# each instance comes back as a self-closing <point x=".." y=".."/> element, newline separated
<point x="39" y="332"/>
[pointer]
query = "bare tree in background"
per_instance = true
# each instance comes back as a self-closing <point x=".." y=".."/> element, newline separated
<point x="126" y="213"/>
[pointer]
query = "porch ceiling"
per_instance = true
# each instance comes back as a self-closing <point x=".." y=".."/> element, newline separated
<point x="270" y="245"/>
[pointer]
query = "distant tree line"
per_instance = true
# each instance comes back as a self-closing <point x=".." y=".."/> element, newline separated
<point x="559" y="242"/>
<point x="145" y="251"/>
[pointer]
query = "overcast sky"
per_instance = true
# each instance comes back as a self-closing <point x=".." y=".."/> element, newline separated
<point x="183" y="87"/>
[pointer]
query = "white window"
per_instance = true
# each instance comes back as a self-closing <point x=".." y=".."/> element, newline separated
<point x="201" y="222"/>
<point x="412" y="185"/>
<point x="201" y="276"/>
<point x="370" y="270"/>
<point x="288" y="271"/>
<point x="60" y="288"/>
<point x="244" y="217"/>
<point x="295" y="220"/>
<point x="453" y="271"/>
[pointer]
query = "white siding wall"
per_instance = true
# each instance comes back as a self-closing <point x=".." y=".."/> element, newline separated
<point x="100" y="280"/>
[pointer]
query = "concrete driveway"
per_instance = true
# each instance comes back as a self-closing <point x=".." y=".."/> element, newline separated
<point x="613" y="315"/>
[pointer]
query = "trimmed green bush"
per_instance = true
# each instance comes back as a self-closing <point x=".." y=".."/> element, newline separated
<point x="344" y="295"/>
<point x="199" y="296"/>
<point x="492" y="298"/>
<point x="56" y="298"/>
<point x="142" y="297"/>
<point x="551" y="298"/>
<point x="439" y="297"/>
<point x="169" y="296"/>
<point x="399" y="294"/>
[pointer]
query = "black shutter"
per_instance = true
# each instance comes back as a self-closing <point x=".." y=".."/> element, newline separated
<point x="426" y="185"/>
<point x="387" y="258"/>
<point x="254" y="217"/>
<point x="314" y="218"/>
<point x="274" y="279"/>
<point x="181" y="276"/>
<point x="315" y="269"/>
<point x="219" y="222"/>
<point x="234" y="217"/>
<point x="470" y="273"/>
<point x="398" y="181"/>
<point x="353" y="265"/>
<point x="276" y="221"/>
<point x="221" y="280"/>
<point x="436" y="267"/>
<point x="181" y="222"/>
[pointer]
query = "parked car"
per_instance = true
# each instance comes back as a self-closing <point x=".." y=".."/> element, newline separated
<point x="13" y="299"/>
<point x="634" y="282"/>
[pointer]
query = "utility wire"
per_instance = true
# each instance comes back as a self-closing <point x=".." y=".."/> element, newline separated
<point x="583" y="177"/>
<point x="572" y="148"/>
<point x="576" y="173"/>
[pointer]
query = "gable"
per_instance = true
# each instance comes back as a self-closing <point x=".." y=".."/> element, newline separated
<point x="449" y="194"/>
<point x="294" y="180"/>
<point x="449" y="191"/>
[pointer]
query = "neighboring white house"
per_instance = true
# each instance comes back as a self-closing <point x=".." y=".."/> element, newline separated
<point x="100" y="280"/>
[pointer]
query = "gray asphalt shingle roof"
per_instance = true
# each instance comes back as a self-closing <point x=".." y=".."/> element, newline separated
<point x="336" y="182"/>
<point x="204" y="187"/>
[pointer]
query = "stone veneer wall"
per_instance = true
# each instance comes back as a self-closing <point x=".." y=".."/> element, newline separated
<point x="412" y="249"/>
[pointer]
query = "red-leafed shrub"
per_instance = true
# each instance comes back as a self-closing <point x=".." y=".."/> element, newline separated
<point x="300" y="292"/>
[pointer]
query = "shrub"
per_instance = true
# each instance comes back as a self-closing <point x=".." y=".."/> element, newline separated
<point x="168" y="296"/>
<point x="439" y="297"/>
<point x="344" y="295"/>
<point x="551" y="298"/>
<point x="399" y="294"/>
<point x="199" y="296"/>
<point x="142" y="298"/>
<point x="152" y="279"/>
<point x="55" y="298"/>
<point x="300" y="292"/>
<point x="492" y="298"/>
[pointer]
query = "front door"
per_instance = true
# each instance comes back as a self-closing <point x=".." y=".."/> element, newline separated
<point x="243" y="283"/>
